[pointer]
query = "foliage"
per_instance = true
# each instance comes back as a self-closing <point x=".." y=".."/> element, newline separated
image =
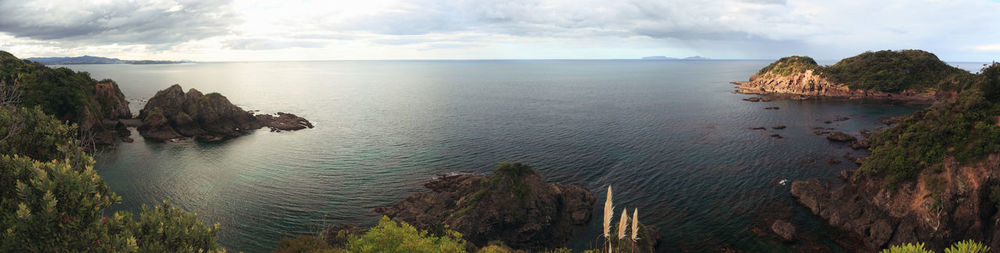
<point x="61" y="92"/>
<point x="964" y="129"/>
<point x="908" y="248"/>
<point x="790" y="65"/>
<point x="967" y="246"/>
<point x="57" y="204"/>
<point x="32" y="133"/>
<point x="391" y="236"/>
<point x="892" y="71"/>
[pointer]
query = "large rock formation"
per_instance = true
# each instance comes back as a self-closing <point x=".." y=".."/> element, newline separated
<point x="515" y="206"/>
<point x="939" y="208"/>
<point x="908" y="75"/>
<point x="809" y="83"/>
<point x="172" y="114"/>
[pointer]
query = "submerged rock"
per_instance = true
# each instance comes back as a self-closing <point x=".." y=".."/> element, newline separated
<point x="840" y="137"/>
<point x="515" y="206"/>
<point x="173" y="114"/>
<point x="784" y="229"/>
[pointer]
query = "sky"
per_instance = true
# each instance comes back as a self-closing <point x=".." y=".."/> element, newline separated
<point x="251" y="30"/>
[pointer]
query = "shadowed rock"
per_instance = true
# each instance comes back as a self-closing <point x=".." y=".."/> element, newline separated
<point x="173" y="114"/>
<point x="515" y="206"/>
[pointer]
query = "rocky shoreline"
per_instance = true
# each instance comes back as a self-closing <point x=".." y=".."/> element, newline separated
<point x="808" y="85"/>
<point x="962" y="210"/>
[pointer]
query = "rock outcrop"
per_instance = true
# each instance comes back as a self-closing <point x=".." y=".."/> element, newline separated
<point x="173" y="114"/>
<point x="938" y="208"/>
<point x="809" y="83"/>
<point x="515" y="206"/>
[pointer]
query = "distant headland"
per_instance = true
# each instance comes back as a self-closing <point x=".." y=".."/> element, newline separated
<point x="87" y="59"/>
<point x="664" y="58"/>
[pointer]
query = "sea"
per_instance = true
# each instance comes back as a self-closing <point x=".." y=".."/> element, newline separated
<point x="670" y="137"/>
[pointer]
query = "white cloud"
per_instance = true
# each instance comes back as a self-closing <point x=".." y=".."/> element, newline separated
<point x="393" y="29"/>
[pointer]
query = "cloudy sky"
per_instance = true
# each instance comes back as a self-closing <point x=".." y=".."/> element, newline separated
<point x="205" y="30"/>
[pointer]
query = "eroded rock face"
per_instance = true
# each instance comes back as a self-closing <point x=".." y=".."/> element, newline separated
<point x="515" y="206"/>
<point x="172" y="114"/>
<point x="959" y="208"/>
<point x="809" y="83"/>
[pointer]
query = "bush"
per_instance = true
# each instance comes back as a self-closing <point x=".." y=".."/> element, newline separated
<point x="57" y="204"/>
<point x="390" y="236"/>
<point x="967" y="246"/>
<point x="907" y="248"/>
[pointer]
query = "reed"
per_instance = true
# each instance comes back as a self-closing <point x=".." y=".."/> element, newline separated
<point x="608" y="213"/>
<point x="635" y="224"/>
<point x="623" y="225"/>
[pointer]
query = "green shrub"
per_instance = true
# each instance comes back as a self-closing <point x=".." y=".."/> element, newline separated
<point x="967" y="246"/>
<point x="907" y="248"/>
<point x="391" y="236"/>
<point x="790" y="65"/>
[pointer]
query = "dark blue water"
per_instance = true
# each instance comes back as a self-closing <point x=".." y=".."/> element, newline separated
<point x="670" y="137"/>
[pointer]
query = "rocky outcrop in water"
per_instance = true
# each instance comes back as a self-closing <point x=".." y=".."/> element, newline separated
<point x="515" y="206"/>
<point x="940" y="207"/>
<point x="172" y="114"/>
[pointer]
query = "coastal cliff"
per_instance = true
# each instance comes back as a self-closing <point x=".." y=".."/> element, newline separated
<point x="515" y="206"/>
<point x="933" y="178"/>
<point x="908" y="75"/>
<point x="95" y="106"/>
<point x="173" y="114"/>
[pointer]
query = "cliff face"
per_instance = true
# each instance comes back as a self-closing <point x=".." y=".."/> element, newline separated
<point x="172" y="114"/>
<point x="515" y="206"/>
<point x="939" y="208"/>
<point x="112" y="101"/>
<point x="809" y="83"/>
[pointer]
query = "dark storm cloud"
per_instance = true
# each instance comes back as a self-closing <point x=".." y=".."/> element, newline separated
<point x="124" y="22"/>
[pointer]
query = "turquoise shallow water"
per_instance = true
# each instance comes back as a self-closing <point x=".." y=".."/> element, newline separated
<point x="670" y="136"/>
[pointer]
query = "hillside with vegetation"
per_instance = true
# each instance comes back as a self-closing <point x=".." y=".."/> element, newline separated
<point x="69" y="96"/>
<point x="931" y="178"/>
<point x="903" y="75"/>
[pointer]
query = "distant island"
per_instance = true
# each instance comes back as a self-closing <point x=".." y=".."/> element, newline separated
<point x="664" y="58"/>
<point x="86" y="59"/>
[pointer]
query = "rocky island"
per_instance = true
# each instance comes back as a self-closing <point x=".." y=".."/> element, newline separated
<point x="173" y="114"/>
<point x="907" y="75"/>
